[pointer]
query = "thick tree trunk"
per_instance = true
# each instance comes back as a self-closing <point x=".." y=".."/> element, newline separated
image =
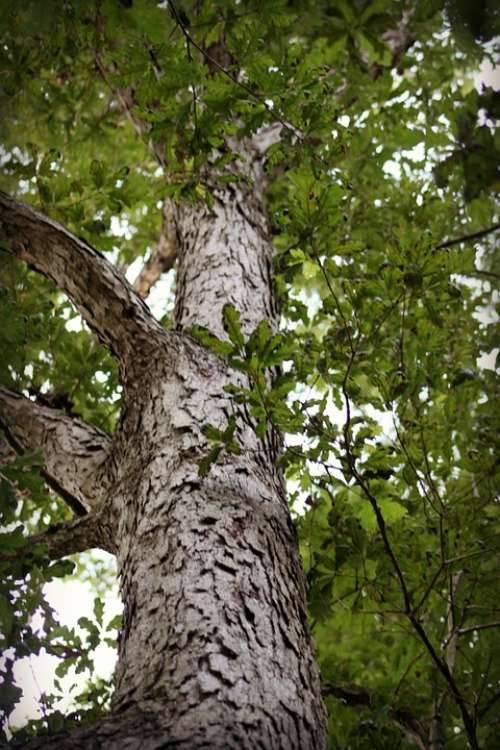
<point x="215" y="650"/>
<point x="215" y="637"/>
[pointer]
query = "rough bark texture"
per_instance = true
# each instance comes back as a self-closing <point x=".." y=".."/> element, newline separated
<point x="103" y="297"/>
<point x="225" y="256"/>
<point x="75" y="454"/>
<point x="215" y="650"/>
<point x="215" y="634"/>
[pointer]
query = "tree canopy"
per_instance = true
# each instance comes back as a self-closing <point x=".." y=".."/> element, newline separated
<point x="383" y="165"/>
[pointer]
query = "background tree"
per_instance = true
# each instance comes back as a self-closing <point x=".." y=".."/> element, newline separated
<point x="331" y="158"/>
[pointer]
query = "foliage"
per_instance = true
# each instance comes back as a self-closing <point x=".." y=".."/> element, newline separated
<point x="380" y="382"/>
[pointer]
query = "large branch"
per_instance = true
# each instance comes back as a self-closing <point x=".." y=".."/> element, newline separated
<point x="89" y="532"/>
<point x="131" y="728"/>
<point x="74" y="453"/>
<point x="102" y="295"/>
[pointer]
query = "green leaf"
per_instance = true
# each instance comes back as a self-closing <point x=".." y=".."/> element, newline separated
<point x="232" y="326"/>
<point x="212" y="433"/>
<point x="13" y="540"/>
<point x="391" y="510"/>
<point x="463" y="375"/>
<point x="210" y="341"/>
<point x="207" y="461"/>
<point x="97" y="171"/>
<point x="98" y="610"/>
<point x="258" y="340"/>
<point x="115" y="623"/>
<point x="6" y="616"/>
<point x="60" y="569"/>
<point x="10" y="693"/>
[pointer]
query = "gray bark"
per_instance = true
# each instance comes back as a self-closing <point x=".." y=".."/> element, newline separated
<point x="215" y="650"/>
<point x="103" y="297"/>
<point x="225" y="256"/>
<point x="215" y="634"/>
<point x="75" y="454"/>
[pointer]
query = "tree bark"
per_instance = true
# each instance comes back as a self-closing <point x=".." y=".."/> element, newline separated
<point x="215" y="650"/>
<point x="76" y="455"/>
<point x="103" y="297"/>
<point x="215" y="635"/>
<point x="164" y="254"/>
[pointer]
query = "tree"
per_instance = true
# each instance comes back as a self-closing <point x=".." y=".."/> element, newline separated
<point x="321" y="176"/>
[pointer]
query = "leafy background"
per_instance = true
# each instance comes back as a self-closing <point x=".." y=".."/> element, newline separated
<point x="386" y="385"/>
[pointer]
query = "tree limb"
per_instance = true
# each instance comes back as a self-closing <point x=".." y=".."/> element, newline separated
<point x="131" y="728"/>
<point x="489" y="704"/>
<point x="481" y="626"/>
<point x="409" y="611"/>
<point x="164" y="255"/>
<point x="75" y="454"/>
<point x="467" y="237"/>
<point x="216" y="65"/>
<point x="399" y="40"/>
<point x="101" y="294"/>
<point x="63" y="539"/>
<point x="126" y="97"/>
<point x="480" y="272"/>
<point x="436" y="734"/>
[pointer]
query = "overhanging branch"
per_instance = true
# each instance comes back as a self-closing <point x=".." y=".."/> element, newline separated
<point x="102" y="295"/>
<point x="90" y="532"/>
<point x="75" y="454"/>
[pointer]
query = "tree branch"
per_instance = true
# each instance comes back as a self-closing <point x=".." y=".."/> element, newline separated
<point x="217" y="66"/>
<point x="352" y="695"/>
<point x="467" y="237"/>
<point x="399" y="40"/>
<point x="165" y="253"/>
<point x="63" y="539"/>
<point x="489" y="704"/>
<point x="125" y="95"/>
<point x="163" y="257"/>
<point x="409" y="611"/>
<point x="436" y="735"/>
<point x="482" y="626"/>
<point x="101" y="294"/>
<point x="75" y="454"/>
<point x="129" y="728"/>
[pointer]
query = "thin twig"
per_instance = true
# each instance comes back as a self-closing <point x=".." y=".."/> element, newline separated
<point x="467" y="237"/>
<point x="410" y="612"/>
<point x="292" y="129"/>
<point x="482" y="626"/>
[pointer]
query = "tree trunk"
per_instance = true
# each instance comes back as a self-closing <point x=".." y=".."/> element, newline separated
<point x="215" y="650"/>
<point x="215" y="637"/>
